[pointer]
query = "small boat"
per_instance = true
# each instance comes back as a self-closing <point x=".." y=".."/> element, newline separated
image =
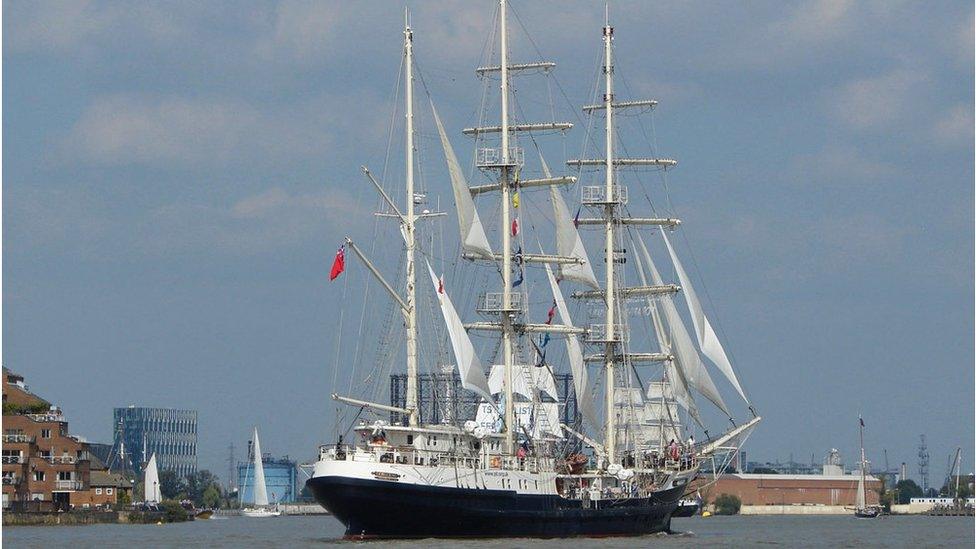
<point x="687" y="507"/>
<point x="861" y="509"/>
<point x="203" y="514"/>
<point x="261" y="509"/>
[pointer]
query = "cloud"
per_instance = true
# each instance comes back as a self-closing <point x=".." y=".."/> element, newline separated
<point x="955" y="126"/>
<point x="272" y="219"/>
<point x="56" y="26"/>
<point x="877" y="102"/>
<point x="134" y="129"/>
<point x="843" y="165"/>
<point x="301" y="30"/>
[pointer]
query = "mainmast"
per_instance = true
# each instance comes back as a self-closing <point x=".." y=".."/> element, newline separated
<point x="506" y="242"/>
<point x="610" y="441"/>
<point x="409" y="234"/>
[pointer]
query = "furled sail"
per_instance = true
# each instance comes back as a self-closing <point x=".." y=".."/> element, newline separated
<point x="473" y="237"/>
<point x="575" y="353"/>
<point x="707" y="340"/>
<point x="568" y="242"/>
<point x="151" y="482"/>
<point x="469" y="367"/>
<point x="681" y="345"/>
<point x="260" y="488"/>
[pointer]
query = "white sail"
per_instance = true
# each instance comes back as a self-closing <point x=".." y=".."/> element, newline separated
<point x="543" y="381"/>
<point x="545" y="420"/>
<point x="576" y="364"/>
<point x="707" y="340"/>
<point x="860" y="502"/>
<point x="469" y="367"/>
<point x="675" y="377"/>
<point x="568" y="241"/>
<point x="151" y="482"/>
<point x="682" y="348"/>
<point x="260" y="488"/>
<point x="473" y="237"/>
<point x="496" y="381"/>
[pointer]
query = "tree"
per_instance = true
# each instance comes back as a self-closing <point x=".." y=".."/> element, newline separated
<point x="907" y="489"/>
<point x="727" y="504"/>
<point x="198" y="483"/>
<point x="764" y="471"/>
<point x="171" y="485"/>
<point x="211" y="497"/>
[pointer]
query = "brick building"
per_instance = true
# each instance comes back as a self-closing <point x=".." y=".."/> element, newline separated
<point x="836" y="490"/>
<point x="44" y="467"/>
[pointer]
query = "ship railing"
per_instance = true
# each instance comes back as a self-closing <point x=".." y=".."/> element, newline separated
<point x="406" y="455"/>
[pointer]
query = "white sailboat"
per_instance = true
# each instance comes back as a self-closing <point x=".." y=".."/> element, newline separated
<point x="261" y="507"/>
<point x="150" y="482"/>
<point x="861" y="508"/>
<point x="519" y="467"/>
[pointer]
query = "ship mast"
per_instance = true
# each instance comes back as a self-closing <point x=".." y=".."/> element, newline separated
<point x="409" y="234"/>
<point x="610" y="441"/>
<point x="506" y="242"/>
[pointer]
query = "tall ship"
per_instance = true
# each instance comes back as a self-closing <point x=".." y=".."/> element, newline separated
<point x="501" y="449"/>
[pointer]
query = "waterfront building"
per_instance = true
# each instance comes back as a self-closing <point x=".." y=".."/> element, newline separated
<point x="106" y="489"/>
<point x="44" y="467"/>
<point x="280" y="476"/>
<point x="169" y="433"/>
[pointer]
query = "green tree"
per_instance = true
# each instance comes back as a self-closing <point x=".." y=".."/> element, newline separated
<point x="211" y="497"/>
<point x="171" y="485"/>
<point x="764" y="471"/>
<point x="174" y="511"/>
<point x="198" y="483"/>
<point x="907" y="489"/>
<point x="727" y="504"/>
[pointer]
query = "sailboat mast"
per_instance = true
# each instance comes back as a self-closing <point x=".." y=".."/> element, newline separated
<point x="411" y="313"/>
<point x="506" y="241"/>
<point x="611" y="436"/>
<point x="861" y="496"/>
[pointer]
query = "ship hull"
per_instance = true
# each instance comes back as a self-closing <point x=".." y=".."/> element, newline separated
<point x="378" y="509"/>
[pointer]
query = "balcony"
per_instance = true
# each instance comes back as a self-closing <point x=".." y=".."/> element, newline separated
<point x="12" y="459"/>
<point x="69" y="485"/>
<point x="46" y="418"/>
<point x="12" y="480"/>
<point x="18" y="438"/>
<point x="488" y="158"/>
<point x="59" y="459"/>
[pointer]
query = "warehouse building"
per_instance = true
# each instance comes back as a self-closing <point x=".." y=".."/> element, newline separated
<point x="280" y="476"/>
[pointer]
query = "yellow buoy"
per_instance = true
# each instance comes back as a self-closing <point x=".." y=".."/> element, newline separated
<point x="707" y="514"/>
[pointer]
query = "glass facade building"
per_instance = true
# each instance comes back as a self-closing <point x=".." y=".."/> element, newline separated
<point x="169" y="433"/>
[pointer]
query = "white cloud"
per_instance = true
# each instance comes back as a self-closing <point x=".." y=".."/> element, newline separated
<point x="55" y="26"/>
<point x="272" y="219"/>
<point x="879" y="101"/>
<point x="130" y="129"/>
<point x="843" y="165"/>
<point x="954" y="127"/>
<point x="301" y="30"/>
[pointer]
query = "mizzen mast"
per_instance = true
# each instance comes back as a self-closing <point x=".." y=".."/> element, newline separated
<point x="506" y="240"/>
<point x="409" y="233"/>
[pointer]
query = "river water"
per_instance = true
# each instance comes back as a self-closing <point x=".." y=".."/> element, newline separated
<point x="738" y="531"/>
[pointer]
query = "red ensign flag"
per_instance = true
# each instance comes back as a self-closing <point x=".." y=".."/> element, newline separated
<point x="515" y="227"/>
<point x="339" y="264"/>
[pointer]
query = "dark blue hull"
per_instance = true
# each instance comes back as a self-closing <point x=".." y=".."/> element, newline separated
<point x="378" y="509"/>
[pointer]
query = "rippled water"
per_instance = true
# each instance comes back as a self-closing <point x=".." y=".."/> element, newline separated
<point x="740" y="531"/>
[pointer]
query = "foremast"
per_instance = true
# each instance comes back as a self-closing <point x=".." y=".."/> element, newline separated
<point x="610" y="439"/>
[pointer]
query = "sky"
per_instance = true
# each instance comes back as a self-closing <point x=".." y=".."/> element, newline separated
<point x="177" y="177"/>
